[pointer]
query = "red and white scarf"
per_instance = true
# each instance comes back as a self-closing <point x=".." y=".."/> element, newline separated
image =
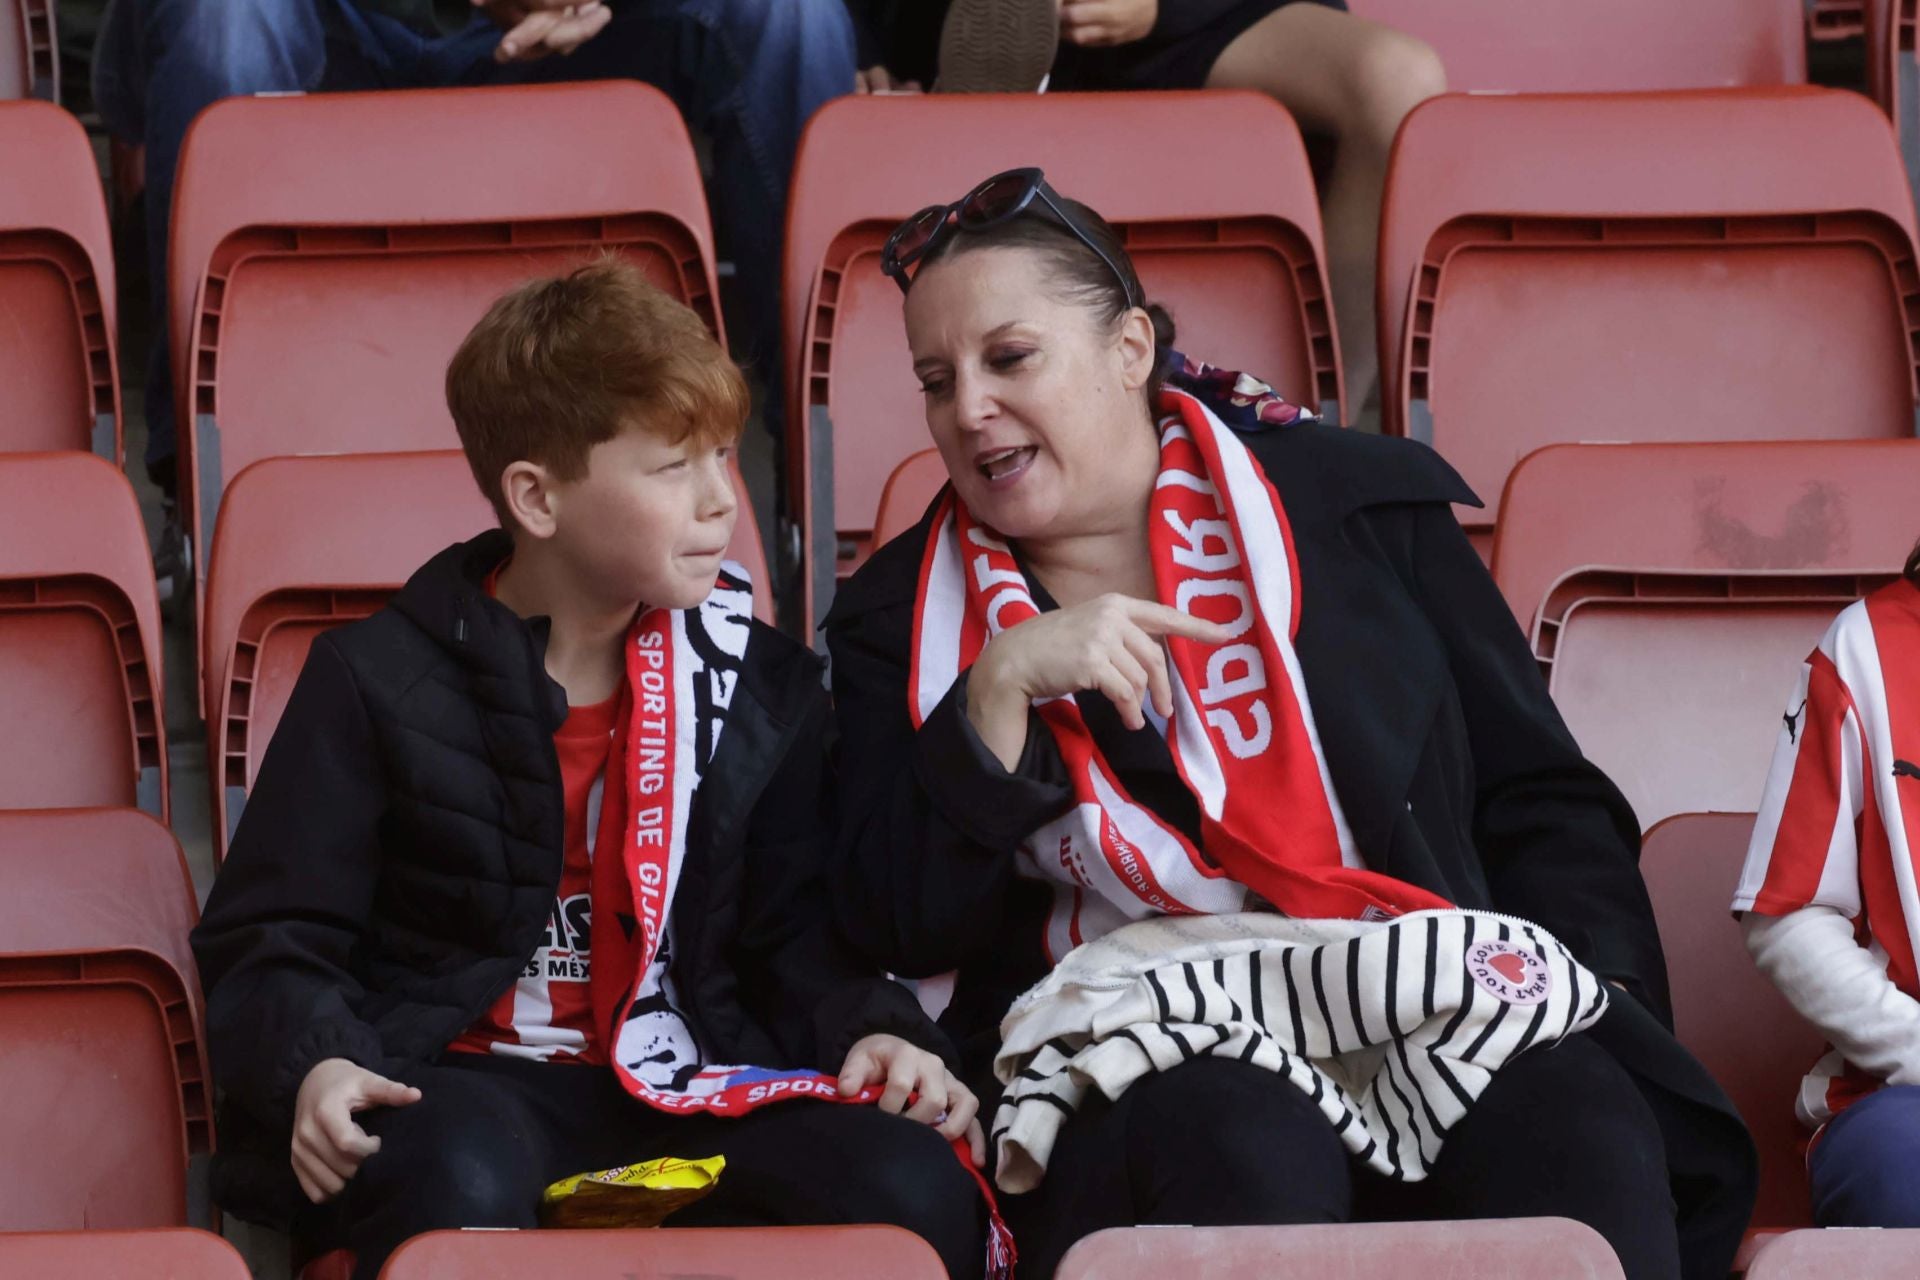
<point x="682" y="669"/>
<point x="1242" y="734"/>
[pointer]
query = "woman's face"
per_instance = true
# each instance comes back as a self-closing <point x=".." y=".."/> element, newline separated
<point x="1034" y="404"/>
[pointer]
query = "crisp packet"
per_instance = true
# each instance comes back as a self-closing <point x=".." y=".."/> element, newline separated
<point x="634" y="1195"/>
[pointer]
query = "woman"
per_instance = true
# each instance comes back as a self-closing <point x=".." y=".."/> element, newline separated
<point x="1413" y="759"/>
<point x="1343" y="77"/>
<point x="1825" y="912"/>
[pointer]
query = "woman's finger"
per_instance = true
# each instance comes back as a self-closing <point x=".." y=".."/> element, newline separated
<point x="933" y="1100"/>
<point x="527" y="40"/>
<point x="977" y="1145"/>
<point x="1158" y="619"/>
<point x="1148" y="653"/>
<point x="901" y="1078"/>
<point x="962" y="1107"/>
<point x="1123" y="688"/>
<point x="856" y="1071"/>
<point x="587" y="23"/>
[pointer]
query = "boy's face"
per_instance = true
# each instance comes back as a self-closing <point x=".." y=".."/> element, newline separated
<point x="649" y="520"/>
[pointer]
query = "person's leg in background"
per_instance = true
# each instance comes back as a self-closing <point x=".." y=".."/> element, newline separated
<point x="1354" y="80"/>
<point x="1865" y="1166"/>
<point x="159" y="64"/>
<point x="1560" y="1132"/>
<point x="1212" y="1142"/>
<point x="749" y="74"/>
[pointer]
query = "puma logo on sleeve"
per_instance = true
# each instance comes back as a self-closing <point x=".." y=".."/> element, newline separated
<point x="1903" y="769"/>
<point x="1792" y="721"/>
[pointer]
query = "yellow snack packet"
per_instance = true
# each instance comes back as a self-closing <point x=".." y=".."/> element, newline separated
<point x="633" y="1195"/>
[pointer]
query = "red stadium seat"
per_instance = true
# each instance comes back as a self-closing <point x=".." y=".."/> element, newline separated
<point x="1514" y="1249"/>
<point x="1836" y="20"/>
<point x="103" y="1078"/>
<point x="29" y="52"/>
<point x="1533" y="46"/>
<point x="181" y="1254"/>
<point x="754" y="1253"/>
<point x="304" y="544"/>
<point x="1825" y="1255"/>
<point x="56" y="284"/>
<point x="1671" y="592"/>
<point x="79" y="639"/>
<point x="1234" y="250"/>
<point x="313" y="310"/>
<point x="1690" y="266"/>
<point x="910" y="490"/>
<point x="1740" y="1027"/>
<point x="1893" y="77"/>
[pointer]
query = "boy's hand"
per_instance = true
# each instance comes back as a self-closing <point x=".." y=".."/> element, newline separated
<point x="942" y="1100"/>
<point x="327" y="1145"/>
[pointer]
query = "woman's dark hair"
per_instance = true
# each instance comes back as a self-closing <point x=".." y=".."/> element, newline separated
<point x="1077" y="270"/>
<point x="1913" y="566"/>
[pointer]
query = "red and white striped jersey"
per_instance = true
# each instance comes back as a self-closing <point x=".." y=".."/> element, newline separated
<point x="1840" y="823"/>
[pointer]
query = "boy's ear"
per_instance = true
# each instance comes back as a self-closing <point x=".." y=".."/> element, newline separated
<point x="527" y="489"/>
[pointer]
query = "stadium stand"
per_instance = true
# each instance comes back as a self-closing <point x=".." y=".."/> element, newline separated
<point x="1893" y="77"/>
<point x="99" y="1013"/>
<point x="910" y="490"/>
<point x="79" y="639"/>
<point x="1671" y="591"/>
<point x="1233" y="250"/>
<point x="56" y="285"/>
<point x="1569" y="45"/>
<point x="307" y="543"/>
<point x="181" y="1254"/>
<point x="1822" y="1255"/>
<point x="29" y="51"/>
<point x="1689" y="266"/>
<point x="792" y="1253"/>
<point x="1533" y="1248"/>
<point x="1740" y="1027"/>
<point x="313" y="311"/>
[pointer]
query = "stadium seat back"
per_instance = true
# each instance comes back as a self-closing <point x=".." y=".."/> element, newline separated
<point x="747" y="1253"/>
<point x="1880" y="1254"/>
<point x="1645" y="267"/>
<point x="56" y="282"/>
<point x="104" y="1089"/>
<point x="1671" y="592"/>
<point x="314" y="311"/>
<point x="910" y="490"/>
<point x="1567" y="45"/>
<point x="305" y="544"/>
<point x="1234" y="252"/>
<point x="29" y="52"/>
<point x="1730" y="1017"/>
<point x="1492" y="1249"/>
<point x="79" y="639"/>
<point x="179" y="1254"/>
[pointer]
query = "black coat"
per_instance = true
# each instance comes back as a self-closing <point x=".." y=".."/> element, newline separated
<point x="398" y="857"/>
<point x="1454" y="769"/>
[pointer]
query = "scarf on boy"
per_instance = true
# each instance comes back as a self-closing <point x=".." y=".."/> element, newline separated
<point x="682" y="669"/>
<point x="1242" y="733"/>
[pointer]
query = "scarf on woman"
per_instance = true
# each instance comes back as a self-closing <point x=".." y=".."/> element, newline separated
<point x="1242" y="733"/>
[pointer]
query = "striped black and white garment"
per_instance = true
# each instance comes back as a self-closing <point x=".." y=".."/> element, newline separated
<point x="1393" y="1028"/>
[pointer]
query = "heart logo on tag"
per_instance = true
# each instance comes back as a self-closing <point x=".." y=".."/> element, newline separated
<point x="1508" y="971"/>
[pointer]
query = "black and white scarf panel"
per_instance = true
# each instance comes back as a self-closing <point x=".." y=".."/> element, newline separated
<point x="1392" y="1029"/>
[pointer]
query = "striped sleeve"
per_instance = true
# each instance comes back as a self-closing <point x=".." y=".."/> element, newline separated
<point x="1805" y="850"/>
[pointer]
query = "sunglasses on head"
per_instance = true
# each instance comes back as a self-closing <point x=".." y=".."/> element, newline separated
<point x="1003" y="196"/>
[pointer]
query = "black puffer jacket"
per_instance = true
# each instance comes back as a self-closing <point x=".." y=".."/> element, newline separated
<point x="397" y="861"/>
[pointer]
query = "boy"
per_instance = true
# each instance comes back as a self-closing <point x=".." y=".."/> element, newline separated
<point x="535" y="847"/>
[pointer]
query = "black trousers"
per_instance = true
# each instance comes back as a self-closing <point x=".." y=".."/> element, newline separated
<point x="489" y="1134"/>
<point x="1561" y="1132"/>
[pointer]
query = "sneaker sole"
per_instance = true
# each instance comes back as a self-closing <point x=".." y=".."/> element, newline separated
<point x="997" y="46"/>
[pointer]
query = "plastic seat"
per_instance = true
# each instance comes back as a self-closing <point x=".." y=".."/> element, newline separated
<point x="79" y="639"/>
<point x="1734" y="1020"/>
<point x="104" y="1092"/>
<point x="753" y="1253"/>
<point x="1492" y="1249"/>
<point x="305" y="544"/>
<point x="1687" y="266"/>
<point x="1233" y="250"/>
<point x="1893" y="77"/>
<point x="910" y="490"/>
<point x="181" y="1254"/>
<point x="1823" y="1255"/>
<point x="314" y="311"/>
<point x="1568" y="45"/>
<point x="1671" y="592"/>
<point x="56" y="282"/>
<point x="29" y="51"/>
